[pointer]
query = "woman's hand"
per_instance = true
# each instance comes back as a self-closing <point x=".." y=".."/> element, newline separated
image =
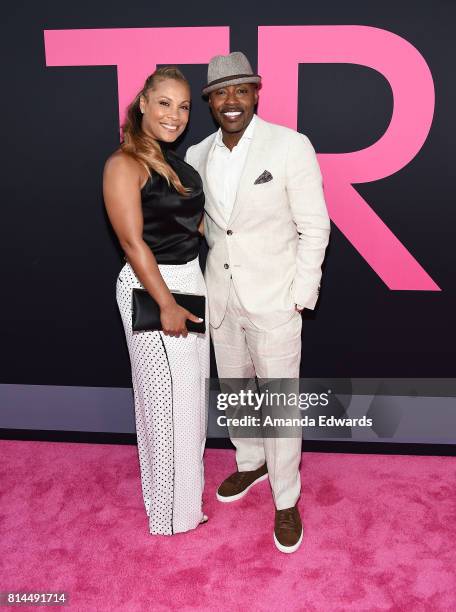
<point x="173" y="319"/>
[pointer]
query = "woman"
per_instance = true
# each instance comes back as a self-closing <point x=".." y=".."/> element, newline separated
<point x="155" y="204"/>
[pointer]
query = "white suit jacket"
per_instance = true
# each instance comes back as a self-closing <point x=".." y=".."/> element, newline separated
<point x="274" y="242"/>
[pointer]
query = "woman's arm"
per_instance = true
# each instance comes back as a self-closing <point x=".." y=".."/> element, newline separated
<point x="121" y="191"/>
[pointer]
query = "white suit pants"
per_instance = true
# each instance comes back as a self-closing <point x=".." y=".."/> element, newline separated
<point x="243" y="350"/>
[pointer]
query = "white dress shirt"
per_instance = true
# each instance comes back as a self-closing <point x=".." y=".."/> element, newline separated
<point x="224" y="168"/>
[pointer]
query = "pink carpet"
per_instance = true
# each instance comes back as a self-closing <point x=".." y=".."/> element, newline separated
<point x="380" y="534"/>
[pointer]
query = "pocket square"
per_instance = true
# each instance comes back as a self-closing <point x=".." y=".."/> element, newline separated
<point x="263" y="178"/>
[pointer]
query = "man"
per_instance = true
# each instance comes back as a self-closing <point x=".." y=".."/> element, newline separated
<point x="267" y="229"/>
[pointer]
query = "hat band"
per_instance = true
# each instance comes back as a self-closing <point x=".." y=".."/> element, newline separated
<point x="230" y="78"/>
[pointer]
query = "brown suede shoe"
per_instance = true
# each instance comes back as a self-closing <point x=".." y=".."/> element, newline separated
<point x="288" y="530"/>
<point x="237" y="485"/>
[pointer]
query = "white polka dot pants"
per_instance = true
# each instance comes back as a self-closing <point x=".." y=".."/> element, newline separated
<point x="169" y="385"/>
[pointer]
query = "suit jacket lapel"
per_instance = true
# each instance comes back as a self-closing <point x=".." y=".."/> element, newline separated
<point x="253" y="166"/>
<point x="211" y="206"/>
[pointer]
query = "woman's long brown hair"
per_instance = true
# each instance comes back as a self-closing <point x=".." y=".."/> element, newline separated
<point x="142" y="147"/>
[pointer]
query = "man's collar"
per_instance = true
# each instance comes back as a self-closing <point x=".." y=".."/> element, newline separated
<point x="247" y="135"/>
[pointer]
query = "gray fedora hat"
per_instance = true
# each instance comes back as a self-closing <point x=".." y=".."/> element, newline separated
<point x="231" y="69"/>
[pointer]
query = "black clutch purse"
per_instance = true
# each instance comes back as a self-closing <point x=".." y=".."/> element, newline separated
<point x="146" y="311"/>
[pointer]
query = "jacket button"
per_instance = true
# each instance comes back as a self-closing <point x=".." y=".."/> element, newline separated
<point x="229" y="232"/>
<point x="226" y="266"/>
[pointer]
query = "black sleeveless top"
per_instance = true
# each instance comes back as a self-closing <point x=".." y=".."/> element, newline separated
<point x="170" y="219"/>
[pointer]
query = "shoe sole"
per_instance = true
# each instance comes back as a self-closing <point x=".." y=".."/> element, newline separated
<point x="233" y="498"/>
<point x="288" y="549"/>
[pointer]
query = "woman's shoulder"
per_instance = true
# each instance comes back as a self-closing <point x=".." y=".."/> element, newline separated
<point x="180" y="161"/>
<point x="120" y="163"/>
